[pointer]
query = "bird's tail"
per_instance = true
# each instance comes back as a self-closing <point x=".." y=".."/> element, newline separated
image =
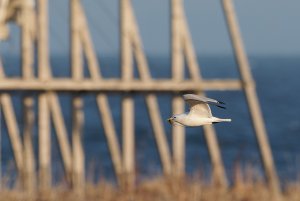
<point x="225" y="120"/>
<point x="217" y="120"/>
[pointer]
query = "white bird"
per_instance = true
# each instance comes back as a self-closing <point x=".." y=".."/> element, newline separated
<point x="199" y="114"/>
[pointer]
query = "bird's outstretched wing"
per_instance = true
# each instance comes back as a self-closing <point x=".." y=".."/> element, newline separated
<point x="202" y="99"/>
<point x="199" y="108"/>
<point x="199" y="105"/>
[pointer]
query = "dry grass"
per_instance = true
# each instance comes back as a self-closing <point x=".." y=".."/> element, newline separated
<point x="159" y="190"/>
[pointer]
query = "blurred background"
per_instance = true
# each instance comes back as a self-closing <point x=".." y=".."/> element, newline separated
<point x="271" y="37"/>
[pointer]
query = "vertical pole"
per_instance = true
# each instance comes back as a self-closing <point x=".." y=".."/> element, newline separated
<point x="177" y="73"/>
<point x="253" y="104"/>
<point x="77" y="72"/>
<point x="29" y="174"/>
<point x="44" y="144"/>
<point x="127" y="101"/>
<point x="43" y="117"/>
<point x="43" y="43"/>
<point x="27" y="71"/>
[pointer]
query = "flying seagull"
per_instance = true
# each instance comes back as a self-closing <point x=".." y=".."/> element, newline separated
<point x="199" y="114"/>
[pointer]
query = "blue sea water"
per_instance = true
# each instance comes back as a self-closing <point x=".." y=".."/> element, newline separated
<point x="277" y="83"/>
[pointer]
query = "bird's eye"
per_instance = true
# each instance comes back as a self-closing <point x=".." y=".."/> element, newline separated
<point x="174" y="117"/>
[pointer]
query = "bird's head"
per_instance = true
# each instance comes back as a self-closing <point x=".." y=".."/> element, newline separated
<point x="174" y="119"/>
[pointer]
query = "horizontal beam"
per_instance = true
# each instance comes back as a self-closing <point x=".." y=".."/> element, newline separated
<point x="117" y="85"/>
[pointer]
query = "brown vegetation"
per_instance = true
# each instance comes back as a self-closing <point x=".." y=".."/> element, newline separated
<point x="159" y="190"/>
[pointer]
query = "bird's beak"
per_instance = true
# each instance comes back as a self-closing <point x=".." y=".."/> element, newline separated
<point x="170" y="120"/>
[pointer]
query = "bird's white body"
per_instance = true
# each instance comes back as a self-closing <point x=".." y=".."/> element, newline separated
<point x="199" y="114"/>
<point x="194" y="120"/>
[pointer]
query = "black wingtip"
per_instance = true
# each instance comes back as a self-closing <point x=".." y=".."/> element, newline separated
<point x="221" y="107"/>
<point x="221" y="102"/>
